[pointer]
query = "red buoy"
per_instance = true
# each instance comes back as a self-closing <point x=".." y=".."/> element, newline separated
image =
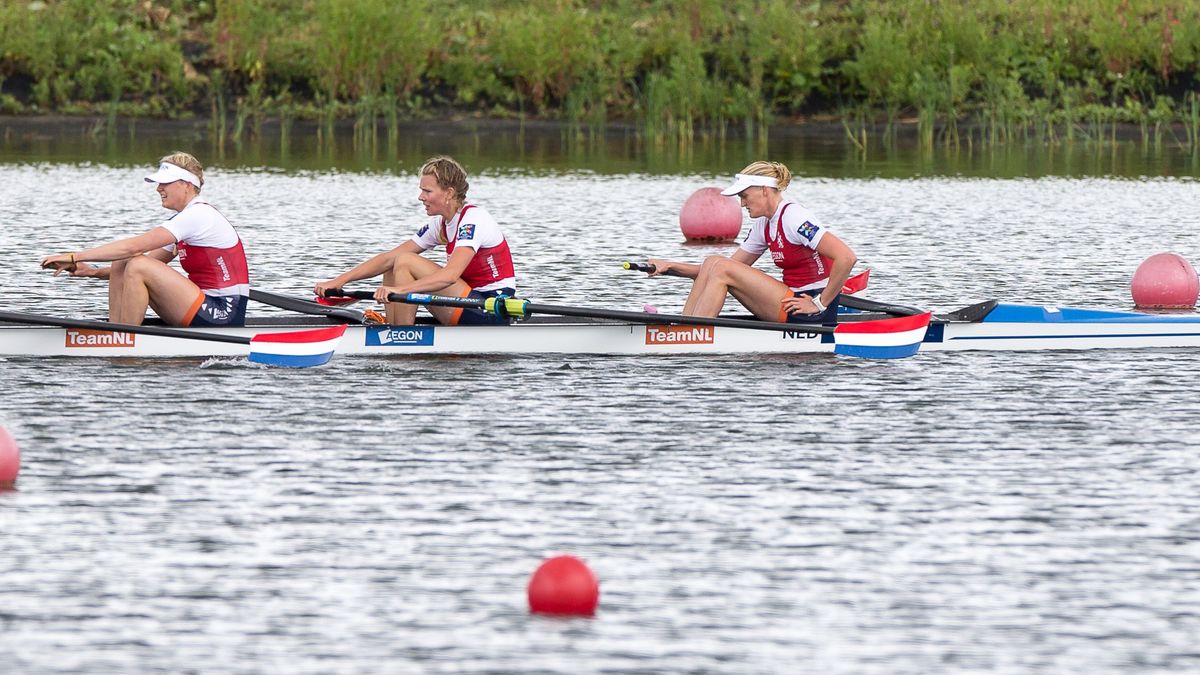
<point x="564" y="585"/>
<point x="1165" y="281"/>
<point x="10" y="458"/>
<point x="709" y="215"/>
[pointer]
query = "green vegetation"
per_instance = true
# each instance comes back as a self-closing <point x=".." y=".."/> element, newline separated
<point x="986" y="71"/>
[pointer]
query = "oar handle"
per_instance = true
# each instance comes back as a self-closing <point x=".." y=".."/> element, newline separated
<point x="343" y="293"/>
<point x="647" y="268"/>
<point x="500" y="305"/>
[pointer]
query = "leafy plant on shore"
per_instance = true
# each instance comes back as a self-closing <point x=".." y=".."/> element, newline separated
<point x="991" y="70"/>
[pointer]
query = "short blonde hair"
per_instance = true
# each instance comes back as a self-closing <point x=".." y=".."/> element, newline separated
<point x="775" y="170"/>
<point x="449" y="175"/>
<point x="186" y="162"/>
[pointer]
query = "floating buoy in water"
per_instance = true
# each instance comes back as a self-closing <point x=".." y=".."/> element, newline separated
<point x="563" y="585"/>
<point x="1165" y="281"/>
<point x="709" y="215"/>
<point x="10" y="458"/>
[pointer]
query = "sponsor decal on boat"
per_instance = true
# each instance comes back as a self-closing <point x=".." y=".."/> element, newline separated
<point x="82" y="338"/>
<point x="400" y="336"/>
<point x="679" y="335"/>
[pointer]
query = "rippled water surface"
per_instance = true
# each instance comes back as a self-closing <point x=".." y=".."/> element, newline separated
<point x="953" y="512"/>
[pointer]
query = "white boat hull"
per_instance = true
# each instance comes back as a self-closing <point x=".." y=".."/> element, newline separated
<point x="1009" y="328"/>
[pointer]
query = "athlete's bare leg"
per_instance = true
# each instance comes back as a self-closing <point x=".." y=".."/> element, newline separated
<point x="407" y="268"/>
<point x="140" y="282"/>
<point x="720" y="276"/>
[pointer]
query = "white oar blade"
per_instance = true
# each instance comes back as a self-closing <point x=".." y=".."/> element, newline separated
<point x="884" y="339"/>
<point x="296" y="349"/>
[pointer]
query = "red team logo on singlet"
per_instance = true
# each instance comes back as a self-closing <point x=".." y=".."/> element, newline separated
<point x="679" y="335"/>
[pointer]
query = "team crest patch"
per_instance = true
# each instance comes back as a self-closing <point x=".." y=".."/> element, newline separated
<point x="808" y="230"/>
<point x="466" y="231"/>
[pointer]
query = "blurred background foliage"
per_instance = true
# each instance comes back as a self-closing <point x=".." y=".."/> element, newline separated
<point x="987" y="70"/>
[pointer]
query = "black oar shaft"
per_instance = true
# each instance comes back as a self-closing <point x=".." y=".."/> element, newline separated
<point x="521" y="308"/>
<point x="873" y="306"/>
<point x="842" y="299"/>
<point x="39" y="320"/>
<point x="293" y="304"/>
<point x="684" y="319"/>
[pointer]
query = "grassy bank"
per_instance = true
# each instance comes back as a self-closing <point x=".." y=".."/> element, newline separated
<point x="987" y="71"/>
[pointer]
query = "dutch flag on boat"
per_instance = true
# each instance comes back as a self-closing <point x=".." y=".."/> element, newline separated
<point x="296" y="349"/>
<point x="883" y="339"/>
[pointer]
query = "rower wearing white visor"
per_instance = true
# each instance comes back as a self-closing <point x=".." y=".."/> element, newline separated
<point x="815" y="262"/>
<point x="216" y="287"/>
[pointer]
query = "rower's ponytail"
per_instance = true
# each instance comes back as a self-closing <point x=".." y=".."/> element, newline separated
<point x="776" y="170"/>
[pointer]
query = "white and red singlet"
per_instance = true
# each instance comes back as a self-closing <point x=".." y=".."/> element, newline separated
<point x="792" y="235"/>
<point x="492" y="266"/>
<point x="210" y="252"/>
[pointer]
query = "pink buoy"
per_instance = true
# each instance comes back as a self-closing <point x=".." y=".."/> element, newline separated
<point x="563" y="585"/>
<point x="10" y="458"/>
<point x="709" y="215"/>
<point x="1165" y="281"/>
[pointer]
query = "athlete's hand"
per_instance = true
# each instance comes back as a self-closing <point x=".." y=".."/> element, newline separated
<point x="382" y="293"/>
<point x="800" y="305"/>
<point x="83" y="269"/>
<point x="660" y="266"/>
<point x="320" y="288"/>
<point x="63" y="262"/>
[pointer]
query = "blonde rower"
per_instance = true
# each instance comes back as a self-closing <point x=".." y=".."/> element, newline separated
<point x="478" y="262"/>
<point x="217" y="285"/>
<point x="814" y="261"/>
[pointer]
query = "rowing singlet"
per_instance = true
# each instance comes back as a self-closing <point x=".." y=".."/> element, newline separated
<point x="803" y="268"/>
<point x="492" y="266"/>
<point x="217" y="271"/>
<point x="210" y="250"/>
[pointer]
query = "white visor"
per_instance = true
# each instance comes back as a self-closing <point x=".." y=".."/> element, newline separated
<point x="742" y="181"/>
<point x="169" y="173"/>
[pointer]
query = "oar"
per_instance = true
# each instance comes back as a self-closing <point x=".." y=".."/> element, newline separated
<point x="873" y="306"/>
<point x="303" y="306"/>
<point x="854" y="284"/>
<point x="293" y="349"/>
<point x="885" y="338"/>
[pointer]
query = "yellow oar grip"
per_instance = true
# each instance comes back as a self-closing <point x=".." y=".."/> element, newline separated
<point x="504" y="306"/>
<point x="515" y="307"/>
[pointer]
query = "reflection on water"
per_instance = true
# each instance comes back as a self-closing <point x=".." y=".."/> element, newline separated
<point x="812" y="150"/>
<point x="953" y="512"/>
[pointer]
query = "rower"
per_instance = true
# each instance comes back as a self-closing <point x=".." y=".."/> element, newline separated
<point x="216" y="288"/>
<point x="815" y="262"/>
<point x="478" y="261"/>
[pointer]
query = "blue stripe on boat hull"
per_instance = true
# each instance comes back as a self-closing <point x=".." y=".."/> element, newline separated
<point x="1010" y="313"/>
<point x="291" y="360"/>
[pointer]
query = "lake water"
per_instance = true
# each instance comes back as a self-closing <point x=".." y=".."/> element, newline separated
<point x="952" y="512"/>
